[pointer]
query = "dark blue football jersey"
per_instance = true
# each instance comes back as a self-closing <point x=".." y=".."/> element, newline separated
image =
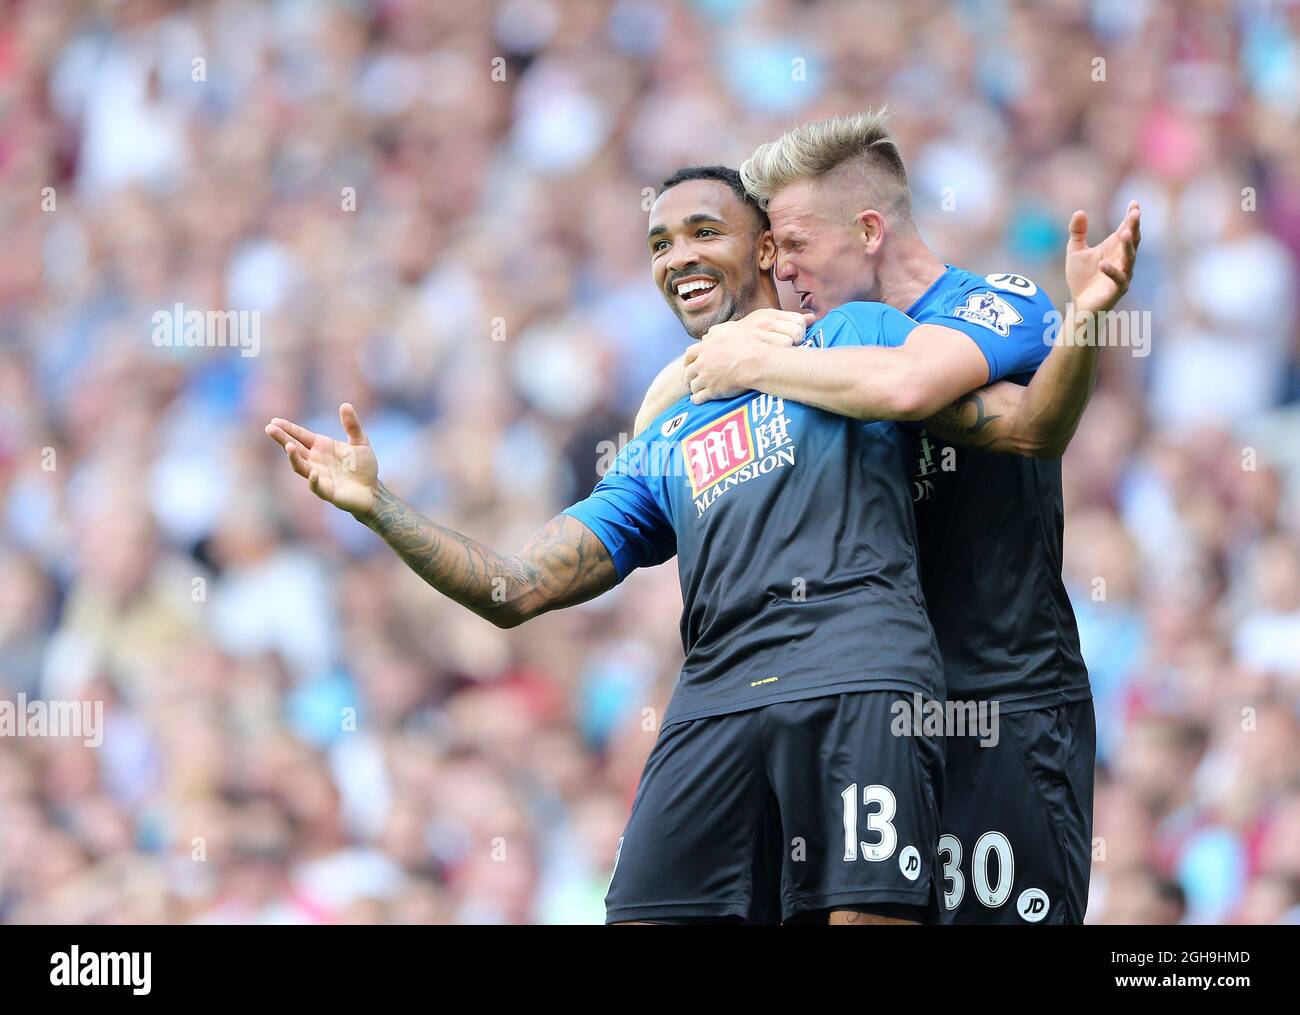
<point x="990" y="525"/>
<point x="795" y="540"/>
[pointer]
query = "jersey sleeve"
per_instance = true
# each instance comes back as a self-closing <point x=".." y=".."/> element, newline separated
<point x="1006" y="316"/>
<point x="625" y="516"/>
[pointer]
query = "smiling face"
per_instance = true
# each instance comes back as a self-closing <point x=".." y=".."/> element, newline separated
<point x="823" y="249"/>
<point x="709" y="253"/>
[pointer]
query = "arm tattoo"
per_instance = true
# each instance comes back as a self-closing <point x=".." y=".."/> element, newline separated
<point x="959" y="425"/>
<point x="563" y="564"/>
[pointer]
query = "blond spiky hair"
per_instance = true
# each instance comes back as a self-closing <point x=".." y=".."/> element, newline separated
<point x="858" y="148"/>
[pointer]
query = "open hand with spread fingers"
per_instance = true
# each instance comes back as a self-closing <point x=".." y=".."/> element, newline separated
<point x="344" y="473"/>
<point x="1099" y="276"/>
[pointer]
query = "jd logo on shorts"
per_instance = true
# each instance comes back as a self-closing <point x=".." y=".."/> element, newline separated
<point x="1032" y="904"/>
<point x="909" y="862"/>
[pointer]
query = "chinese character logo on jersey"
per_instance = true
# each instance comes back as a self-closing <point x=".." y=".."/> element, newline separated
<point x="990" y="311"/>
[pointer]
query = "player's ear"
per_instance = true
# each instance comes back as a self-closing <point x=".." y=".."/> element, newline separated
<point x="871" y="229"/>
<point x="766" y="250"/>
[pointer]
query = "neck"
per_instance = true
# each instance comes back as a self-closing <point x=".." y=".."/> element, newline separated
<point x="765" y="298"/>
<point x="910" y="271"/>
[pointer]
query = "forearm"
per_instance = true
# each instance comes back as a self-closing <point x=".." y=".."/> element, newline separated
<point x="1038" y="420"/>
<point x="935" y="365"/>
<point x="866" y="382"/>
<point x="563" y="564"/>
<point x="462" y="569"/>
<point x="1059" y="392"/>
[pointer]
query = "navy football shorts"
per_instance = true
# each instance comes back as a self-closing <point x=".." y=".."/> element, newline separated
<point x="783" y="812"/>
<point x="1017" y="821"/>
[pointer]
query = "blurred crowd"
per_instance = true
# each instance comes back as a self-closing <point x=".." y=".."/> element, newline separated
<point x="437" y="210"/>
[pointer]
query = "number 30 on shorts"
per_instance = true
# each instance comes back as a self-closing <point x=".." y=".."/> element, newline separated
<point x="991" y="892"/>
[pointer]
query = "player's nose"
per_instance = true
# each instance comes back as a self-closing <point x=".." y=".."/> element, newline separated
<point x="785" y="269"/>
<point x="681" y="256"/>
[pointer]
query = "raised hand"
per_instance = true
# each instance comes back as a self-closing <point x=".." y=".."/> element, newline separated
<point x="345" y="474"/>
<point x="1099" y="276"/>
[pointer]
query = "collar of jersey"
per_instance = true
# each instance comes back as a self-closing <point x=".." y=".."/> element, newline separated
<point x="928" y="295"/>
<point x="698" y="413"/>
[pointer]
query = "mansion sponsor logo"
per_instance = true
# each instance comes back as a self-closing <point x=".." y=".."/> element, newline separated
<point x="38" y="718"/>
<point x="179" y="328"/>
<point x="920" y="717"/>
<point x="75" y="968"/>
<point x="747" y="442"/>
<point x="714" y="452"/>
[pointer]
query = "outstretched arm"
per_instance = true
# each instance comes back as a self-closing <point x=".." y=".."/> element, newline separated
<point x="1040" y="420"/>
<point x="562" y="565"/>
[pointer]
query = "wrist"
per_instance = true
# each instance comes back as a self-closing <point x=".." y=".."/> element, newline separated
<point x="753" y="365"/>
<point x="1080" y="325"/>
<point x="368" y="516"/>
<point x="1088" y="308"/>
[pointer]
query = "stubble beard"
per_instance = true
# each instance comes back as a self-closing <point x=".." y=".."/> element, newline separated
<point x="733" y="308"/>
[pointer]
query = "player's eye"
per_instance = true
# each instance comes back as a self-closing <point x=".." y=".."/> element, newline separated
<point x="658" y="246"/>
<point x="707" y="231"/>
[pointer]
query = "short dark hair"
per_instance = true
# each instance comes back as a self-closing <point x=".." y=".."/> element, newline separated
<point x="720" y="174"/>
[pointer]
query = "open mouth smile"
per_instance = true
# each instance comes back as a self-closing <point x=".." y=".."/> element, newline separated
<point x="695" y="291"/>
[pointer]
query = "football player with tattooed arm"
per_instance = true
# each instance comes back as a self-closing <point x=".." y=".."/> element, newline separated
<point x="1017" y="815"/>
<point x="803" y="624"/>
